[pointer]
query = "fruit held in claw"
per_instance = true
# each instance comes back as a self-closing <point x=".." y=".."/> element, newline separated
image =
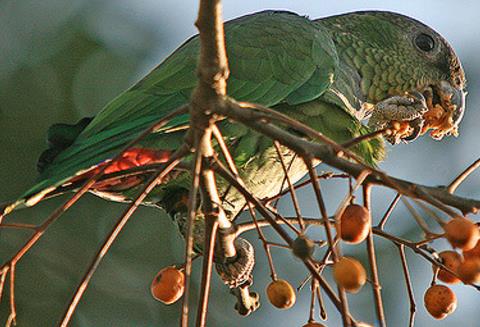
<point x="440" y="301"/>
<point x="355" y="224"/>
<point x="349" y="274"/>
<point x="451" y="260"/>
<point x="462" y="233"/>
<point x="281" y="294"/>
<point x="168" y="285"/>
<point x="473" y="253"/>
<point x="469" y="271"/>
<point x="303" y="247"/>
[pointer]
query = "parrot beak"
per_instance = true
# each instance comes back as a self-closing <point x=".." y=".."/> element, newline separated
<point x="458" y="99"/>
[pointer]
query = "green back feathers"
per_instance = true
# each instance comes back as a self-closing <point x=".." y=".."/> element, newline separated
<point x="275" y="58"/>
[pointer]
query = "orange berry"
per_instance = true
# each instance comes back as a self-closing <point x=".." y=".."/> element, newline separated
<point x="451" y="260"/>
<point x="355" y="224"/>
<point x="314" y="324"/>
<point x="168" y="285"/>
<point x="303" y="247"/>
<point x="473" y="253"/>
<point x="349" y="274"/>
<point x="281" y="294"/>
<point x="462" y="233"/>
<point x="469" y="271"/>
<point x="440" y="301"/>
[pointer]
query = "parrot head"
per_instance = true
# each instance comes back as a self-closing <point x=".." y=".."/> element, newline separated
<point x="397" y="55"/>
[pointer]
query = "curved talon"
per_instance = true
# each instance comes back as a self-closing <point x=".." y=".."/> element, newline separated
<point x="406" y="110"/>
<point x="237" y="271"/>
<point x="247" y="302"/>
<point x="417" y="125"/>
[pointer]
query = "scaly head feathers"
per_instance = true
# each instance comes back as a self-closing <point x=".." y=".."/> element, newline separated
<point x="396" y="54"/>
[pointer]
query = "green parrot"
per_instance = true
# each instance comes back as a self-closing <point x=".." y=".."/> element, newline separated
<point x="333" y="74"/>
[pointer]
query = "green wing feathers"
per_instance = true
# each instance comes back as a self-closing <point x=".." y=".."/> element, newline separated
<point x="275" y="58"/>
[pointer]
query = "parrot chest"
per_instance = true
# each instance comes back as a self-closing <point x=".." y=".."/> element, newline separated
<point x="264" y="177"/>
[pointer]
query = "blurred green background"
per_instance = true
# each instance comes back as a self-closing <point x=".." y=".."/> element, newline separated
<point x="63" y="60"/>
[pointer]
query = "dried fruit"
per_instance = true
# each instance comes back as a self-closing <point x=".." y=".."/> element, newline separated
<point x="451" y="260"/>
<point x="440" y="301"/>
<point x="281" y="294"/>
<point x="473" y="253"/>
<point x="400" y="129"/>
<point x="462" y="233"/>
<point x="355" y="224"/>
<point x="168" y="285"/>
<point x="349" y="274"/>
<point x="469" y="271"/>
<point x="303" y="247"/>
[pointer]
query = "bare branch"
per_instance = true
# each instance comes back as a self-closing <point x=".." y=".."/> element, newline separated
<point x="463" y="176"/>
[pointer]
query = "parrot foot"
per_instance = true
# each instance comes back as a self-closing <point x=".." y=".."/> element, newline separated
<point x="237" y="271"/>
<point x="403" y="114"/>
<point x="247" y="302"/>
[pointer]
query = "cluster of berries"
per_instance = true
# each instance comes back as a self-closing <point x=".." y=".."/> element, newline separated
<point x="354" y="226"/>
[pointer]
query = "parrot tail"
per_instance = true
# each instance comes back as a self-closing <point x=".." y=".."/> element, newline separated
<point x="60" y="137"/>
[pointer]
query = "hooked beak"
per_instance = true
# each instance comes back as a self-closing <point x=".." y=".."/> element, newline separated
<point x="458" y="99"/>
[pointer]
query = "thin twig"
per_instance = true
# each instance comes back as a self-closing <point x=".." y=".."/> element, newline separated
<point x="192" y="211"/>
<point x="430" y="212"/>
<point x="313" y="289"/>
<point x="321" y="205"/>
<point x="408" y="282"/>
<point x="463" y="176"/>
<point x="211" y="226"/>
<point x="3" y="278"/>
<point x="418" y="218"/>
<point x="18" y="226"/>
<point x="293" y="194"/>
<point x="328" y="175"/>
<point x="265" y="243"/>
<point x="323" y="311"/>
<point x="328" y="231"/>
<point x="12" y="318"/>
<point x="366" y="137"/>
<point x="376" y="287"/>
<point x="389" y="211"/>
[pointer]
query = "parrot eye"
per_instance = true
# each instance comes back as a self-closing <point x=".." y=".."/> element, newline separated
<point x="425" y="42"/>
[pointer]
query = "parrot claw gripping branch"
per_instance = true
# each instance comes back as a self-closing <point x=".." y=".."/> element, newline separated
<point x="294" y="94"/>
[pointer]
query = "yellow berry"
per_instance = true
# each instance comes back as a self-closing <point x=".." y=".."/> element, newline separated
<point x="469" y="271"/>
<point x="462" y="233"/>
<point x="281" y="294"/>
<point x="349" y="274"/>
<point x="451" y="260"/>
<point x="440" y="301"/>
<point x="355" y="224"/>
<point x="168" y="285"/>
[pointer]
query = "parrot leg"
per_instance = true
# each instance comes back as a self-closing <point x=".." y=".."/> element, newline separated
<point x="407" y="111"/>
